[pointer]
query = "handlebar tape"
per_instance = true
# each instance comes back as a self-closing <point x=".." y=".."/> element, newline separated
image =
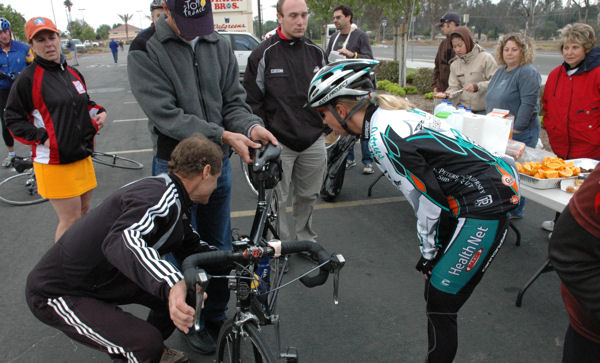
<point x="317" y="252"/>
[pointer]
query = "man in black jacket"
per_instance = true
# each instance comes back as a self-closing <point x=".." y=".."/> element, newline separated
<point x="277" y="77"/>
<point x="113" y="256"/>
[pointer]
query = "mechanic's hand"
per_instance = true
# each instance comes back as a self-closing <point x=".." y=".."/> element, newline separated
<point x="240" y="144"/>
<point x="262" y="134"/>
<point x="100" y="119"/>
<point x="471" y="87"/>
<point x="347" y="53"/>
<point x="441" y="95"/>
<point x="425" y="266"/>
<point x="181" y="313"/>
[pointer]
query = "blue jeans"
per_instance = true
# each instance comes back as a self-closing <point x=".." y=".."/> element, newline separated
<point x="115" y="56"/>
<point x="213" y="224"/>
<point x="530" y="138"/>
<point x="367" y="158"/>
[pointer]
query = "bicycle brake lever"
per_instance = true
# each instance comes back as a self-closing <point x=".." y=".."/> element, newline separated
<point x="202" y="282"/>
<point x="338" y="261"/>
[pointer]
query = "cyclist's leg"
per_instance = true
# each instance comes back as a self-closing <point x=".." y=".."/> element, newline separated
<point x="101" y="326"/>
<point x="454" y="278"/>
<point x="285" y="225"/>
<point x="307" y="179"/>
<point x="213" y="224"/>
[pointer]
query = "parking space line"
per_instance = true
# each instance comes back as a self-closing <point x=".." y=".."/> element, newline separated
<point x="353" y="203"/>
<point x="129" y="102"/>
<point x="128" y="151"/>
<point x="131" y="119"/>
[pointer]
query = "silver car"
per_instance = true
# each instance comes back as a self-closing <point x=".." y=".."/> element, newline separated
<point x="242" y="43"/>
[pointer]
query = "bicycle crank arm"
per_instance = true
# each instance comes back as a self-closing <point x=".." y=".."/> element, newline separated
<point x="339" y="263"/>
<point x="201" y="284"/>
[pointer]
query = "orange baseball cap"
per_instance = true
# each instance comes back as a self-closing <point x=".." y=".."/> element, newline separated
<point x="37" y="24"/>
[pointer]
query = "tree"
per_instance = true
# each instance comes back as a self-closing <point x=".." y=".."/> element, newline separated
<point x="87" y="33"/>
<point x="126" y="18"/>
<point x="102" y="31"/>
<point x="75" y="29"/>
<point x="17" y="21"/>
<point x="68" y="5"/>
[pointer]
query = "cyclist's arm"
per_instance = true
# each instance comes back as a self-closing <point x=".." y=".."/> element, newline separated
<point x="191" y="244"/>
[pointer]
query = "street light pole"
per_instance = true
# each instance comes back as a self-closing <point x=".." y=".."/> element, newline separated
<point x="82" y="16"/>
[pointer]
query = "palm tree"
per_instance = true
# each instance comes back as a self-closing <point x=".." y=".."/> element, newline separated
<point x="126" y="18"/>
<point x="68" y="4"/>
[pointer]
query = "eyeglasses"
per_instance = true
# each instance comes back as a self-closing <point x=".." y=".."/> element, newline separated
<point x="337" y="17"/>
<point x="321" y="110"/>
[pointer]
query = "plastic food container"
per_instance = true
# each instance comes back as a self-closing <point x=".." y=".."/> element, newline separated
<point x="556" y="182"/>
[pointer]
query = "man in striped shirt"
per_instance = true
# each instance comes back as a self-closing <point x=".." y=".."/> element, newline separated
<point x="113" y="256"/>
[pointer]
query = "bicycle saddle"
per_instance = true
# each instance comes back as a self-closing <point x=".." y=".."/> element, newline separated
<point x="265" y="154"/>
<point x="21" y="164"/>
<point x="266" y="167"/>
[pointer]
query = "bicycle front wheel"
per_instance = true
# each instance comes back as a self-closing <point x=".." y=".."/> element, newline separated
<point x="241" y="345"/>
<point x="20" y="189"/>
<point x="116" y="161"/>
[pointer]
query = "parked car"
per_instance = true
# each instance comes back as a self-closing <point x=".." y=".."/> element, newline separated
<point x="78" y="44"/>
<point x="242" y="43"/>
<point x="89" y="43"/>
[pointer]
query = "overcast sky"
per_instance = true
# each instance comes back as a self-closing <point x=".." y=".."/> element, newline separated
<point x="98" y="12"/>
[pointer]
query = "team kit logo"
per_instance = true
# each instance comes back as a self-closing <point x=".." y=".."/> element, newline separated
<point x="192" y="8"/>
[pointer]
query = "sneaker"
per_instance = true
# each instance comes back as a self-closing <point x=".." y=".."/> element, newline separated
<point x="515" y="216"/>
<point x="173" y="356"/>
<point x="350" y="164"/>
<point x="8" y="162"/>
<point x="368" y="169"/>
<point x="201" y="341"/>
<point x="548" y="226"/>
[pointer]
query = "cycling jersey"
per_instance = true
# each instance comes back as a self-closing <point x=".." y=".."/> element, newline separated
<point x="13" y="62"/>
<point x="444" y="175"/>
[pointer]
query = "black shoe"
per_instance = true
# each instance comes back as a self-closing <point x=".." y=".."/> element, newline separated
<point x="201" y="341"/>
<point x="213" y="327"/>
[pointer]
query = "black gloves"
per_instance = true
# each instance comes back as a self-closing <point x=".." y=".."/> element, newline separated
<point x="8" y="76"/>
<point x="425" y="266"/>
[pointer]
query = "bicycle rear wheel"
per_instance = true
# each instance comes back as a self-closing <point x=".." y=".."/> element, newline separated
<point x="20" y="189"/>
<point x="116" y="161"/>
<point x="242" y="345"/>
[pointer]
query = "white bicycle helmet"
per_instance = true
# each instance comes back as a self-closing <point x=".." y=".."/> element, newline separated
<point x="345" y="78"/>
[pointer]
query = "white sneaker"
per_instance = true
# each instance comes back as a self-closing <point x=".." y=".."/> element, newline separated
<point x="350" y="164"/>
<point x="548" y="226"/>
<point x="368" y="169"/>
<point x="7" y="163"/>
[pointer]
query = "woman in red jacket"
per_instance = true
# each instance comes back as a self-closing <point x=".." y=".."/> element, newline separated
<point x="572" y="96"/>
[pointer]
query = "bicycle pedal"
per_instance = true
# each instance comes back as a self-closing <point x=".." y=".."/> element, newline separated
<point x="291" y="355"/>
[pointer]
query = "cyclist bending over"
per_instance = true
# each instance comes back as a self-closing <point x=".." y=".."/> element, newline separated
<point x="112" y="256"/>
<point x="460" y="192"/>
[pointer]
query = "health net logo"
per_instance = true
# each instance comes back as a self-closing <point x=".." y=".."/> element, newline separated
<point x="191" y="8"/>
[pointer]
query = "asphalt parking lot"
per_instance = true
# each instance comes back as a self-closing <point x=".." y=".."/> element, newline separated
<point x="381" y="316"/>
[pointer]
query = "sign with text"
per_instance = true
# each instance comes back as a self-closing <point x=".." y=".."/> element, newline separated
<point x="233" y="22"/>
<point x="231" y="5"/>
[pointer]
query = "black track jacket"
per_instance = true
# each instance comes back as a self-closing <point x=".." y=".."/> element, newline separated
<point x="277" y="77"/>
<point x="115" y="250"/>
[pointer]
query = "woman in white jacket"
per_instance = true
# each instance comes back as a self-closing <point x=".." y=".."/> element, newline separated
<point x="470" y="71"/>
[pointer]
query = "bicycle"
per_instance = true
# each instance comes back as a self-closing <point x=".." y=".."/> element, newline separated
<point x="240" y="338"/>
<point x="116" y="161"/>
<point x="21" y="189"/>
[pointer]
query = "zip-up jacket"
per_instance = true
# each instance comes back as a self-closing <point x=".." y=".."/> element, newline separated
<point x="277" y="77"/>
<point x="572" y="109"/>
<point x="13" y="62"/>
<point x="478" y="67"/>
<point x="358" y="42"/>
<point x="115" y="250"/>
<point x="442" y="174"/>
<point x="185" y="91"/>
<point x="50" y="101"/>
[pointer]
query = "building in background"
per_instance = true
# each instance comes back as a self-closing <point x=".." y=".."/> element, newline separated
<point x="233" y="15"/>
